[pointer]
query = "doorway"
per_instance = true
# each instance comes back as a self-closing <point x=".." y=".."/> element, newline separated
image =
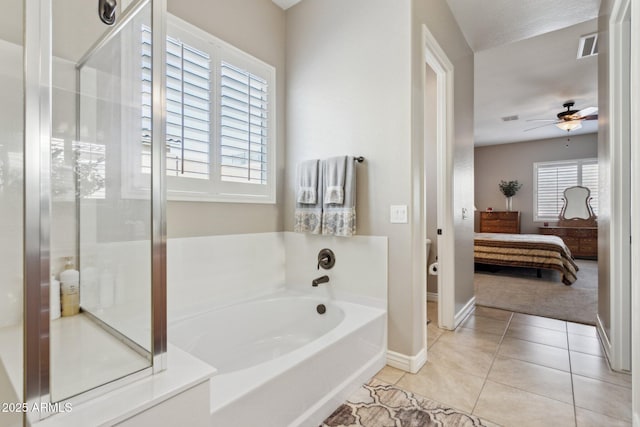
<point x="431" y="191"/>
<point x="520" y="140"/>
<point x="438" y="220"/>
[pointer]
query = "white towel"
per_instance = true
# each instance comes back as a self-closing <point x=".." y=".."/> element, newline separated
<point x="334" y="176"/>
<point x="308" y="217"/>
<point x="308" y="182"/>
<point x="339" y="219"/>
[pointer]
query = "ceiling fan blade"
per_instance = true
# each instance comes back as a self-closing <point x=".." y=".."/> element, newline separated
<point x="542" y="120"/>
<point x="591" y="117"/>
<point x="587" y="111"/>
<point x="541" y="126"/>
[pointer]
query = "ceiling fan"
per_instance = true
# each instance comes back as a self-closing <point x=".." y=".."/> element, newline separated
<point x="570" y="119"/>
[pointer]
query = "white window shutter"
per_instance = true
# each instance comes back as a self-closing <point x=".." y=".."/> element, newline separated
<point x="552" y="178"/>
<point x="222" y="150"/>
<point x="590" y="180"/>
<point x="551" y="183"/>
<point x="243" y="125"/>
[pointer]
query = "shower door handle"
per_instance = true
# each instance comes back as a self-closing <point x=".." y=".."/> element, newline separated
<point x="107" y="11"/>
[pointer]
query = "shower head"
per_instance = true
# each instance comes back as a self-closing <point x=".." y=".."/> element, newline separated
<point x="107" y="11"/>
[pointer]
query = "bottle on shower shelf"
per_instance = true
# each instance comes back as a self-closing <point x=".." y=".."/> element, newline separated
<point x="70" y="287"/>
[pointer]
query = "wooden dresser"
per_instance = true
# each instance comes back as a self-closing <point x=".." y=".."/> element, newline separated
<point x="582" y="241"/>
<point x="500" y="222"/>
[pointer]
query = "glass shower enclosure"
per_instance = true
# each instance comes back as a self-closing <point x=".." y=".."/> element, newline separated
<point x="11" y="207"/>
<point x="81" y="188"/>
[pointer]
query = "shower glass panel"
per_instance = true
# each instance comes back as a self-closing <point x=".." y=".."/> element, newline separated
<point x="101" y="210"/>
<point x="11" y="206"/>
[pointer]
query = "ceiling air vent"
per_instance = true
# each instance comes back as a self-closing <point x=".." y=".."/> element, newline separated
<point x="510" y="118"/>
<point x="588" y="45"/>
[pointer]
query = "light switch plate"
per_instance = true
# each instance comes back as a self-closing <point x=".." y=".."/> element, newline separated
<point x="398" y="214"/>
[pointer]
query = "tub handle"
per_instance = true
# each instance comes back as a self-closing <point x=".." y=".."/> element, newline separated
<point x="326" y="259"/>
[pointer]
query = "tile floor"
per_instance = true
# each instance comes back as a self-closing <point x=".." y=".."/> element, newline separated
<point x="515" y="369"/>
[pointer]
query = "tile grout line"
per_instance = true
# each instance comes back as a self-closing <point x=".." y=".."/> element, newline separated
<point x="495" y="355"/>
<point x="535" y="364"/>
<point x="609" y="382"/>
<point x="541" y="343"/>
<point x="434" y="342"/>
<point x="573" y="388"/>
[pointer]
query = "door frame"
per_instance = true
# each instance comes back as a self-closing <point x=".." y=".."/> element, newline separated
<point x="635" y="208"/>
<point x="436" y="58"/>
<point x="618" y="344"/>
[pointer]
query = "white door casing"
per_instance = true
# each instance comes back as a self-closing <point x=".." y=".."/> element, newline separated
<point x="436" y="58"/>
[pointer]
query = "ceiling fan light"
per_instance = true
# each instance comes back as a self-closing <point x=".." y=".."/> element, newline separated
<point x="569" y="125"/>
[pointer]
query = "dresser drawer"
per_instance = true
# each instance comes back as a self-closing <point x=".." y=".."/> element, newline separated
<point x="589" y="246"/>
<point x="500" y="222"/>
<point x="583" y="233"/>
<point x="582" y="242"/>
<point x="560" y="232"/>
<point x="496" y="227"/>
<point x="500" y="215"/>
<point x="572" y="242"/>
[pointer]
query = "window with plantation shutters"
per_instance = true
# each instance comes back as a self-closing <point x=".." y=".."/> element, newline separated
<point x="590" y="180"/>
<point x="188" y="110"/>
<point x="243" y="125"/>
<point x="220" y="128"/>
<point x="552" y="178"/>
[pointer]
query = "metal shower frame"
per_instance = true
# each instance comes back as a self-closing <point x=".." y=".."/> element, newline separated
<point x="37" y="199"/>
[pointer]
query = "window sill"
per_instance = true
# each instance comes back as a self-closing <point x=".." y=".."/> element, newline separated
<point x="220" y="198"/>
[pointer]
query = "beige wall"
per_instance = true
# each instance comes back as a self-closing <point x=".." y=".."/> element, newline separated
<point x="438" y="18"/>
<point x="258" y="28"/>
<point x="515" y="161"/>
<point x="354" y="86"/>
<point x="348" y="69"/>
<point x="604" y="169"/>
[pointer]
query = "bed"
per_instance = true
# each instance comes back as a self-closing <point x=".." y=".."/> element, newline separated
<point x="526" y="250"/>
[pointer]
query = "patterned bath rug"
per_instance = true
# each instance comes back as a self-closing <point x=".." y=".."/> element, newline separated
<point x="378" y="404"/>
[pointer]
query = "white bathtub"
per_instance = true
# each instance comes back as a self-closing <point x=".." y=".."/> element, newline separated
<point x="281" y="363"/>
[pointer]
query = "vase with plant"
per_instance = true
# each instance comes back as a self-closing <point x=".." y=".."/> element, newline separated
<point x="509" y="189"/>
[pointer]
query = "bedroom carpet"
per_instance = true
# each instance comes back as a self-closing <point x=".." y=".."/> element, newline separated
<point x="519" y="290"/>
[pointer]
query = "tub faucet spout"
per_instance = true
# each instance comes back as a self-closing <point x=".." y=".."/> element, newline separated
<point x="322" y="279"/>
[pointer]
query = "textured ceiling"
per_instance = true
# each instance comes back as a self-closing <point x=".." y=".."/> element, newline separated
<point x="532" y="78"/>
<point x="486" y="24"/>
<point x="525" y="63"/>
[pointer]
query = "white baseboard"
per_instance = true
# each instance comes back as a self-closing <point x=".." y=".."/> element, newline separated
<point x="432" y="296"/>
<point x="604" y="339"/>
<point x="464" y="312"/>
<point x="407" y="363"/>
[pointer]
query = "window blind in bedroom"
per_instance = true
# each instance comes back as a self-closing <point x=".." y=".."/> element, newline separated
<point x="552" y="178"/>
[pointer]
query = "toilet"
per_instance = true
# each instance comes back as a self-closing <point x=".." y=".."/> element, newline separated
<point x="432" y="268"/>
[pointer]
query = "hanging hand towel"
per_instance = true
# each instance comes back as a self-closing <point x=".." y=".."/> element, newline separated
<point x="334" y="175"/>
<point x="308" y="182"/>
<point x="339" y="219"/>
<point x="308" y="216"/>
